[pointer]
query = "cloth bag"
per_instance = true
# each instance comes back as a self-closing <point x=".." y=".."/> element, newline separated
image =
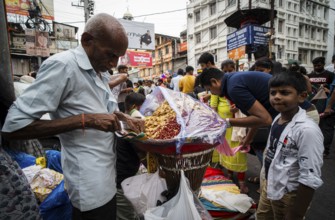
<point x="143" y="191"/>
<point x="181" y="206"/>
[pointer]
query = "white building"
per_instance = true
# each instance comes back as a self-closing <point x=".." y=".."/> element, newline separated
<point x="304" y="29"/>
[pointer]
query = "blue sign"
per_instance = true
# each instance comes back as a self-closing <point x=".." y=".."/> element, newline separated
<point x="251" y="34"/>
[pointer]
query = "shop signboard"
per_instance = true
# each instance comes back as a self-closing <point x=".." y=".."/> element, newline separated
<point x="248" y="35"/>
<point x="237" y="53"/>
<point x="37" y="43"/>
<point x="21" y="7"/>
<point x="136" y="59"/>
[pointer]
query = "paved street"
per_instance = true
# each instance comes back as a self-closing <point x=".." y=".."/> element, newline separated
<point x="323" y="204"/>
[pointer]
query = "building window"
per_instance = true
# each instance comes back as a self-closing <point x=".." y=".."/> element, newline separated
<point x="293" y="47"/>
<point x="213" y="32"/>
<point x="288" y="44"/>
<point x="312" y="55"/>
<point x="198" y="38"/>
<point x="325" y="14"/>
<point x="307" y="28"/>
<point x="302" y="56"/>
<point x="301" y="30"/>
<point x="153" y="54"/>
<point x="313" y="33"/>
<point x="280" y="26"/>
<point x="289" y="5"/>
<point x="167" y="50"/>
<point x="212" y="9"/>
<point x="280" y="3"/>
<point x="294" y="32"/>
<point x="288" y="31"/>
<point x="314" y="9"/>
<point x="324" y="35"/>
<point x="197" y="16"/>
<point x="231" y="3"/>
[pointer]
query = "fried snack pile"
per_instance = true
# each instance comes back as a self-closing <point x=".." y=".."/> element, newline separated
<point x="162" y="124"/>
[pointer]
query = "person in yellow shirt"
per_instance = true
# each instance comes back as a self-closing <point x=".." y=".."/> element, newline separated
<point x="186" y="84"/>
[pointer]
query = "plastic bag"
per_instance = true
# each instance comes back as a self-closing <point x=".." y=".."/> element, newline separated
<point x="44" y="182"/>
<point x="143" y="191"/>
<point x="197" y="120"/>
<point x="57" y="205"/>
<point x="54" y="160"/>
<point x="181" y="206"/>
<point x="24" y="160"/>
<point x="31" y="171"/>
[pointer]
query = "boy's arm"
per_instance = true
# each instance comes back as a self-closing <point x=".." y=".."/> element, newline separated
<point x="299" y="208"/>
<point x="310" y="144"/>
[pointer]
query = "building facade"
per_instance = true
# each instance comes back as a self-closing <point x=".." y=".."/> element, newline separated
<point x="304" y="29"/>
<point x="167" y="57"/>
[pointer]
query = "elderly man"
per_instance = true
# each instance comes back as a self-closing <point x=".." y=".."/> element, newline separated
<point x="72" y="87"/>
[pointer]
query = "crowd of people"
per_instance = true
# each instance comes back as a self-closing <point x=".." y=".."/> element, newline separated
<point x="284" y="114"/>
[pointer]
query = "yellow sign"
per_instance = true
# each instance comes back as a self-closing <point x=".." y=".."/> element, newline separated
<point x="21" y="7"/>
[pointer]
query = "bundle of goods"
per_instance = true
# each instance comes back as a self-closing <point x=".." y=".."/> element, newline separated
<point x="182" y="132"/>
<point x="162" y="124"/>
<point x="222" y="198"/>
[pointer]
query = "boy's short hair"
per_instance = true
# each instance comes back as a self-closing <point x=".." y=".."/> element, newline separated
<point x="208" y="74"/>
<point x="134" y="98"/>
<point x="180" y="72"/>
<point x="121" y="67"/>
<point x="289" y="78"/>
<point x="189" y="69"/>
<point x="317" y="60"/>
<point x="206" y="57"/>
<point x="227" y="63"/>
<point x="264" y="62"/>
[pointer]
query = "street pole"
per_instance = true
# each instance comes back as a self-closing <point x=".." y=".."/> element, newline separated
<point x="272" y="17"/>
<point x="86" y="11"/>
<point x="7" y="95"/>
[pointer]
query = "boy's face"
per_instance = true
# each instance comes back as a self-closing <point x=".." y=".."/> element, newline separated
<point x="215" y="87"/>
<point x="285" y="99"/>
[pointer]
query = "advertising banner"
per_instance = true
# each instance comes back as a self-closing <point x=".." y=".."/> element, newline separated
<point x="140" y="35"/>
<point x="183" y="47"/>
<point x="37" y="43"/>
<point x="21" y="7"/>
<point x="237" y="53"/>
<point x="136" y="59"/>
<point x="251" y="34"/>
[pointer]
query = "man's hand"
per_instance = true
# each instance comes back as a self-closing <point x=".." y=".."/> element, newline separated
<point x="134" y="124"/>
<point x="103" y="122"/>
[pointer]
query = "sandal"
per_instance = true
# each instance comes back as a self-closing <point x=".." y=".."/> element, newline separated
<point x="254" y="180"/>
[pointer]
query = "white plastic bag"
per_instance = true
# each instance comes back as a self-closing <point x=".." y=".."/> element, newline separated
<point x="143" y="191"/>
<point x="180" y="207"/>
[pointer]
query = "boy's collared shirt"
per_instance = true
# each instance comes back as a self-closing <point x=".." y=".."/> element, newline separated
<point x="298" y="158"/>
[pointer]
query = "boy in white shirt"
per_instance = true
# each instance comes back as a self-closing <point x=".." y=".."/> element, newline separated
<point x="293" y="157"/>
